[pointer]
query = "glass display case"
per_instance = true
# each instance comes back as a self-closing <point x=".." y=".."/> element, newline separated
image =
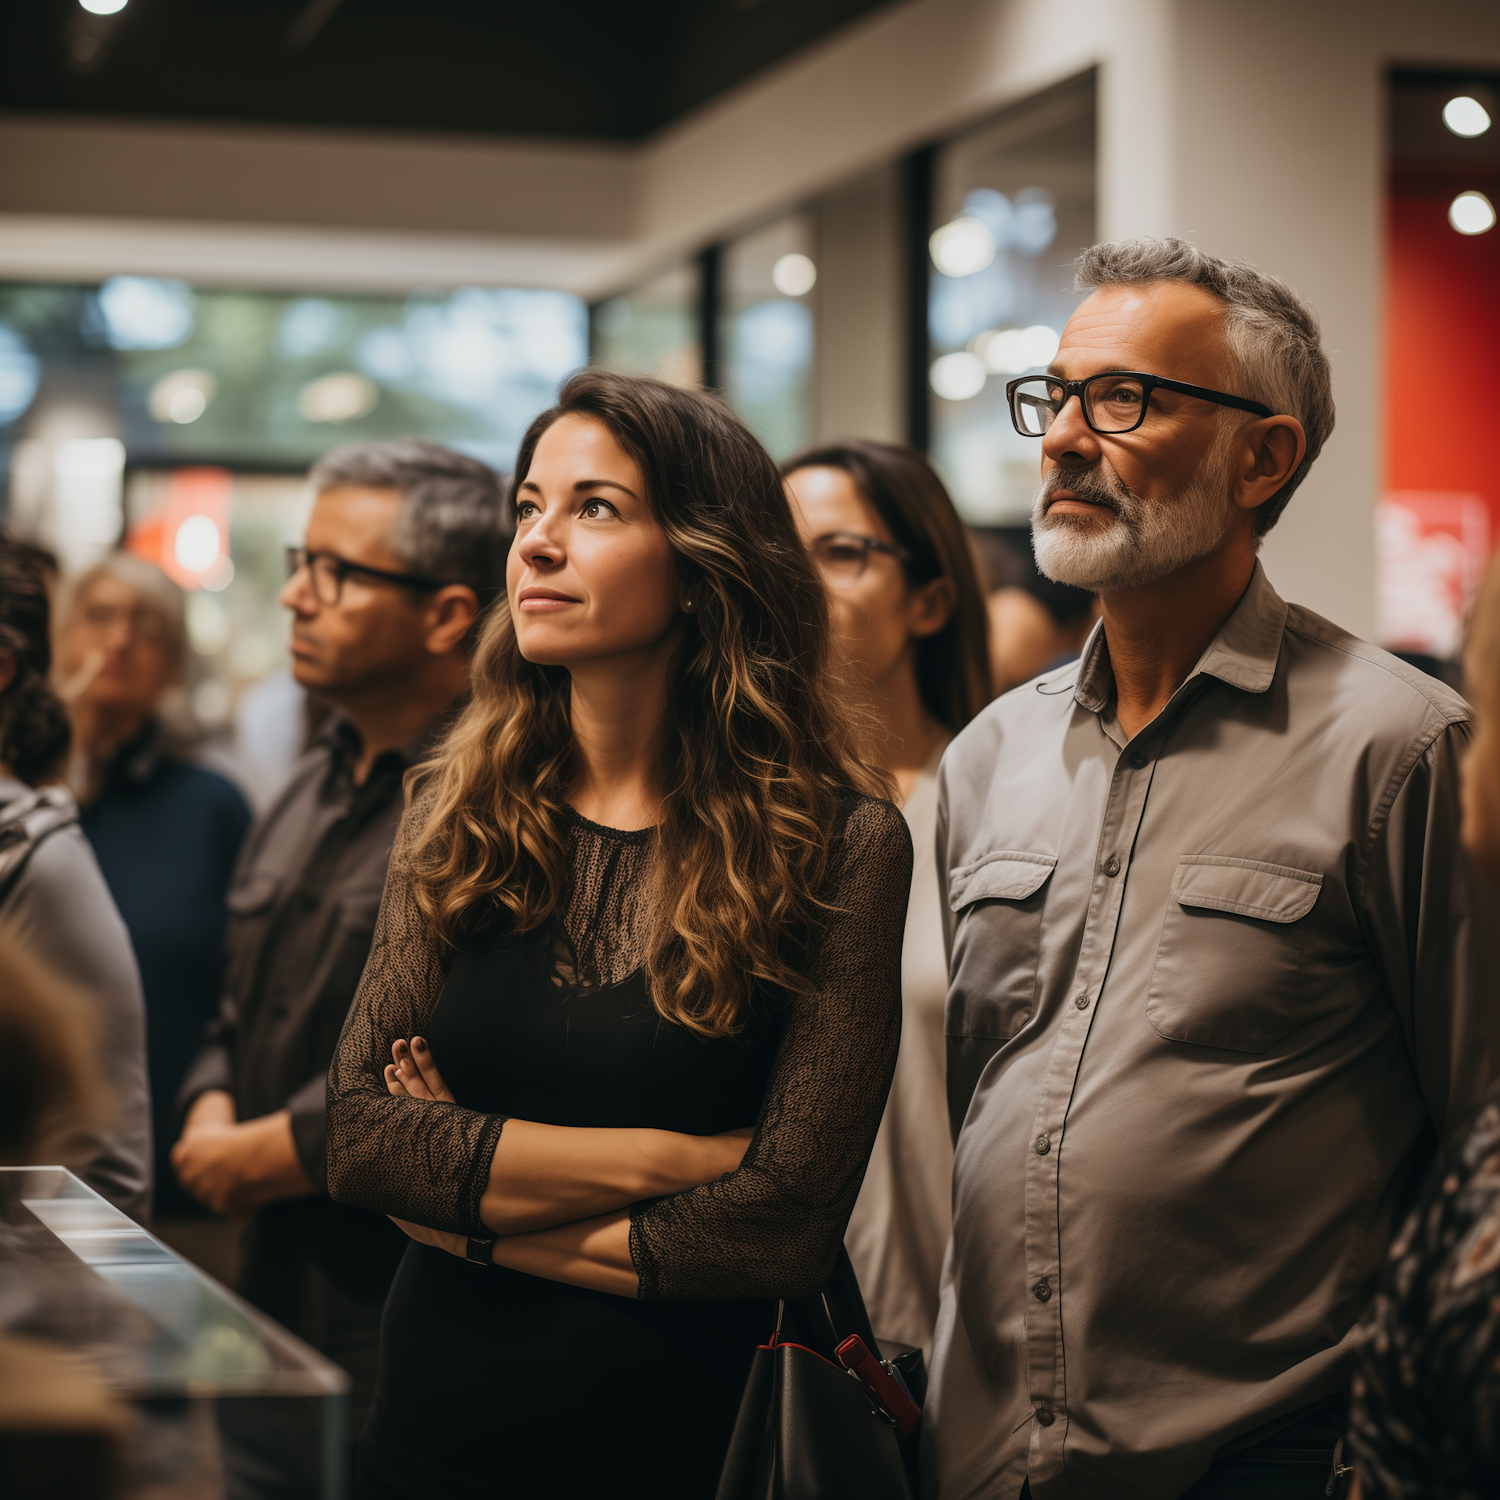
<point x="170" y="1343"/>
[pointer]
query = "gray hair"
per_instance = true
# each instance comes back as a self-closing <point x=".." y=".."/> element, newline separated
<point x="152" y="589"/>
<point x="1271" y="333"/>
<point x="454" y="524"/>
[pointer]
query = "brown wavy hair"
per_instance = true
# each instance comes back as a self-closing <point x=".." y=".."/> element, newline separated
<point x="759" y="751"/>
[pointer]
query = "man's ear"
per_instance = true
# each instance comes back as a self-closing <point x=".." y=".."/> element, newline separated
<point x="932" y="606"/>
<point x="449" y="614"/>
<point x="1266" y="456"/>
<point x="7" y="667"/>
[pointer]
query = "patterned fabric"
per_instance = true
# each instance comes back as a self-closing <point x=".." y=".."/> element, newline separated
<point x="772" y="1228"/>
<point x="1425" y="1420"/>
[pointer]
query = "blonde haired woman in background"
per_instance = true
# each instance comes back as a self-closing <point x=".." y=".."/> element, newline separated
<point x="165" y="830"/>
<point x="909" y="624"/>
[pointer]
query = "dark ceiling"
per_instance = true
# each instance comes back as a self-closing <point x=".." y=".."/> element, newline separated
<point x="585" y="68"/>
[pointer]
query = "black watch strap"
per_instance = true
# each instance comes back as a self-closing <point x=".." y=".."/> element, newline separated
<point x="479" y="1250"/>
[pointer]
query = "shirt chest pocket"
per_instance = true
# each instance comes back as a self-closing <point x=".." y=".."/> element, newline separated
<point x="998" y="901"/>
<point x="1230" y="950"/>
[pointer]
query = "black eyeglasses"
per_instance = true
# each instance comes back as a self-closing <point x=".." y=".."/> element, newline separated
<point x="842" y="556"/>
<point x="1112" y="403"/>
<point x="328" y="571"/>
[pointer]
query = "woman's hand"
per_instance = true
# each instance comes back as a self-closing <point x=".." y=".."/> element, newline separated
<point x="439" y="1239"/>
<point x="415" y="1074"/>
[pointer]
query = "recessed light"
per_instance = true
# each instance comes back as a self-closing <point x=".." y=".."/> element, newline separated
<point x="1465" y="116"/>
<point x="1471" y="213"/>
<point x="103" y="7"/>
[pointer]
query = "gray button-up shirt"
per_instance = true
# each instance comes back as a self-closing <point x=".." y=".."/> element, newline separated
<point x="1214" y="992"/>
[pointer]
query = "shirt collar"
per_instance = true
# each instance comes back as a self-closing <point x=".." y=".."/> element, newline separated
<point x="340" y="735"/>
<point x="1243" y="654"/>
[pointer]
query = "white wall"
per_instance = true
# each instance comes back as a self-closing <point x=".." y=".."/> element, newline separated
<point x="1254" y="128"/>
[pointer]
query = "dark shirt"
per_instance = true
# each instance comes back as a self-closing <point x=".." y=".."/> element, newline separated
<point x="1425" y="1423"/>
<point x="301" y="915"/>
<point x="166" y="834"/>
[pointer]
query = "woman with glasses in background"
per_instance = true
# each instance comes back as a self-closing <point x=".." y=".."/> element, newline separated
<point x="165" y="830"/>
<point x="911" y="630"/>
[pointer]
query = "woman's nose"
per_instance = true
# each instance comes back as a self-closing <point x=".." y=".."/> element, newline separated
<point x="539" y="546"/>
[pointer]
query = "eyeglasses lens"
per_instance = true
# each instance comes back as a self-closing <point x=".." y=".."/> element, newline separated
<point x="1115" y="403"/>
<point x="1033" y="405"/>
<point x="142" y="624"/>
<point x="326" y="575"/>
<point x="841" y="559"/>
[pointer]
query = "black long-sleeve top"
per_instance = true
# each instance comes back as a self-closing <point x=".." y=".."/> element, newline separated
<point x="773" y="1227"/>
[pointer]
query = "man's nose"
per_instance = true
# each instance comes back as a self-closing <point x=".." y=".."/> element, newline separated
<point x="297" y="594"/>
<point x="1070" y="438"/>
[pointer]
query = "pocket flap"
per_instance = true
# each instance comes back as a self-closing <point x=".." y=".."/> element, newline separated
<point x="253" y="894"/>
<point x="1005" y="875"/>
<point x="1273" y="893"/>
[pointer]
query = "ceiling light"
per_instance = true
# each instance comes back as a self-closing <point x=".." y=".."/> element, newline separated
<point x="1012" y="351"/>
<point x="956" y="377"/>
<point x="342" y="397"/>
<point x="196" y="546"/>
<point x="103" y="7"/>
<point x="1471" y="213"/>
<point x="182" y="396"/>
<point x="1465" y="116"/>
<point x="794" y="275"/>
<point x="962" y="246"/>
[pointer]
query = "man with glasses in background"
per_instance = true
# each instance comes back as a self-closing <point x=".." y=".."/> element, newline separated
<point x="405" y="548"/>
<point x="1219" y="970"/>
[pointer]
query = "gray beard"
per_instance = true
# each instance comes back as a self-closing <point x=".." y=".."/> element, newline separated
<point x="1143" y="541"/>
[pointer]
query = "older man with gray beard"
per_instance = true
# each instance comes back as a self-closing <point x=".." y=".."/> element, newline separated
<point x="1217" y="961"/>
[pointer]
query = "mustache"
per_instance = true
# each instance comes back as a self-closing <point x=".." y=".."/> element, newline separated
<point x="1088" y="484"/>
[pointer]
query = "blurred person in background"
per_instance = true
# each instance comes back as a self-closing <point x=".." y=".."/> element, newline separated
<point x="1036" y="624"/>
<point x="166" y="831"/>
<point x="54" y="898"/>
<point x="1425" y="1422"/>
<point x="909" y="625"/>
<point x="405" y="547"/>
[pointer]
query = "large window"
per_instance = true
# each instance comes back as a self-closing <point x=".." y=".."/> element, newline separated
<point x="1014" y="204"/>
<point x="181" y="420"/>
<point x="768" y="286"/>
<point x="653" y="329"/>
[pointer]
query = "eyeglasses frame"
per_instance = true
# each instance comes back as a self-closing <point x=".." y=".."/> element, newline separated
<point x="298" y="558"/>
<point x="871" y="544"/>
<point x="1149" y="383"/>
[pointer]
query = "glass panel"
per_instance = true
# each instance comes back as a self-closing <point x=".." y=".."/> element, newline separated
<point x="1014" y="205"/>
<point x="80" y="1276"/>
<point x="769" y="281"/>
<point x="652" y="329"/>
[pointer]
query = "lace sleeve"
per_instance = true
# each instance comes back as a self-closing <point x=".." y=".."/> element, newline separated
<point x="420" y="1160"/>
<point x="773" y="1227"/>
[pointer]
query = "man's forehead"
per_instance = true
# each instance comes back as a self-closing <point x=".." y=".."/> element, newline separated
<point x="1163" y="328"/>
<point x="354" y="520"/>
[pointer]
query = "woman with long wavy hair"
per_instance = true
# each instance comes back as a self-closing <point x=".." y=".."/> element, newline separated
<point x="622" y="1047"/>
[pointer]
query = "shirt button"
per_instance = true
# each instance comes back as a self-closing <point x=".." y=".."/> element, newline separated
<point x="1112" y="866"/>
<point x="1041" y="1291"/>
<point x="1082" y="1002"/>
<point x="1136" y="760"/>
<point x="1043" y="1145"/>
<point x="1045" y="1415"/>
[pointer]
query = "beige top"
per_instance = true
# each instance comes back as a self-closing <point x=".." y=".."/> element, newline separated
<point x="1212" y="990"/>
<point x="899" y="1229"/>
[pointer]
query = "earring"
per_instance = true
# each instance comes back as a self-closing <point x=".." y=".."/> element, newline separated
<point x="687" y="604"/>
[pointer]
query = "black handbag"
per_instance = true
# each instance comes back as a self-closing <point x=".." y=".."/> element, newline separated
<point x="823" y="1417"/>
